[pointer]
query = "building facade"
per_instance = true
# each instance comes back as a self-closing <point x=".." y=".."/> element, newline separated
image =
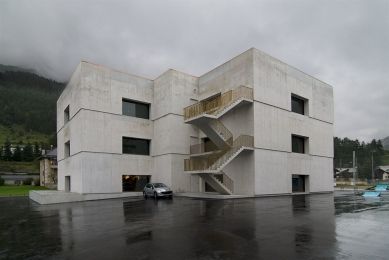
<point x="48" y="169"/>
<point x="252" y="126"/>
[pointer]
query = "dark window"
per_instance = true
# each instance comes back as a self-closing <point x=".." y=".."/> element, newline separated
<point x="135" y="109"/>
<point x="66" y="115"/>
<point x="297" y="144"/>
<point x="67" y="149"/>
<point x="298" y="105"/>
<point x="136" y="146"/>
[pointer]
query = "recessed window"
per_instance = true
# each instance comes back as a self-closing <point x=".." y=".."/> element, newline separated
<point x="135" y="182"/>
<point x="298" y="144"/>
<point x="298" y="105"/>
<point x="135" y="109"/>
<point x="66" y="115"/>
<point x="67" y="149"/>
<point x="136" y="146"/>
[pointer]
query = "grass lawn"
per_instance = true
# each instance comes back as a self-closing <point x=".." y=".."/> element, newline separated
<point x="28" y="167"/>
<point x="16" y="133"/>
<point x="19" y="190"/>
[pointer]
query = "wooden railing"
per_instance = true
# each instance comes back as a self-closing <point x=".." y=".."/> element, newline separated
<point x="221" y="129"/>
<point x="203" y="148"/>
<point x="216" y="105"/>
<point x="214" y="161"/>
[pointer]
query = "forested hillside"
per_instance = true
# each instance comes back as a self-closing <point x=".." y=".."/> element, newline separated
<point x="385" y="143"/>
<point x="343" y="155"/>
<point x="29" y="100"/>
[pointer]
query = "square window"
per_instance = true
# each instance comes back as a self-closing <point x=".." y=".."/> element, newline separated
<point x="298" y="144"/>
<point x="297" y="105"/>
<point x="135" y="109"/>
<point x="136" y="146"/>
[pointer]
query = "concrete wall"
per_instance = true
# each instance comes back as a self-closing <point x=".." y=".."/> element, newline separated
<point x="230" y="75"/>
<point x="274" y="123"/>
<point x="173" y="91"/>
<point x="96" y="127"/>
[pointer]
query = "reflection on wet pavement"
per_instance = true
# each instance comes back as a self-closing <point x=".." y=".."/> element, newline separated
<point x="327" y="226"/>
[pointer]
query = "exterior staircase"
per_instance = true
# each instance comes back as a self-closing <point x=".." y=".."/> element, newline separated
<point x="208" y="160"/>
<point x="225" y="186"/>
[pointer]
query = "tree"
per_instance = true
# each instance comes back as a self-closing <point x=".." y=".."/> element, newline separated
<point x="28" y="154"/>
<point x="343" y="150"/>
<point x="53" y="140"/>
<point x="37" y="152"/>
<point x="7" y="153"/>
<point x="17" y="156"/>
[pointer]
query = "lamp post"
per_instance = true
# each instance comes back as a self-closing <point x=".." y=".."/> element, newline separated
<point x="372" y="167"/>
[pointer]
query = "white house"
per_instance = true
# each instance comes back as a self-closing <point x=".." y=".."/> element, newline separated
<point x="252" y="126"/>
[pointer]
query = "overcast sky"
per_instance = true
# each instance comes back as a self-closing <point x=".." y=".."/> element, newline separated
<point x="343" y="43"/>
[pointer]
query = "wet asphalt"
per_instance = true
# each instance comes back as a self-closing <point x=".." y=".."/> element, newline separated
<point x="324" y="226"/>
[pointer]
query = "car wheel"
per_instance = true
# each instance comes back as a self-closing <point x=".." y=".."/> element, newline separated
<point x="155" y="196"/>
<point x="144" y="195"/>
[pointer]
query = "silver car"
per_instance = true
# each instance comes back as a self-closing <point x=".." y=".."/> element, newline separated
<point x="157" y="190"/>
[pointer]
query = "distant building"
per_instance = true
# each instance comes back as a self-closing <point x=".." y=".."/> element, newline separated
<point x="48" y="169"/>
<point x="382" y="173"/>
<point x="252" y="126"/>
<point x="344" y="172"/>
<point x="13" y="148"/>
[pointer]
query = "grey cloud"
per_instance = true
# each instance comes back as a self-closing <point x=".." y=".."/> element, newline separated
<point x="343" y="43"/>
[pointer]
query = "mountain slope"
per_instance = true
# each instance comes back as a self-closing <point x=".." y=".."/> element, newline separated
<point x="385" y="143"/>
<point x="29" y="100"/>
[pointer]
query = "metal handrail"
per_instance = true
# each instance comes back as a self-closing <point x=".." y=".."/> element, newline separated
<point x="218" y="104"/>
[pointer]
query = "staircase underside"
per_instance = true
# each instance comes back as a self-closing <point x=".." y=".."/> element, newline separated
<point x="214" y="183"/>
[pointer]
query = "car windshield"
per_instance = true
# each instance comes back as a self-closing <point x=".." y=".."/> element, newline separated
<point x="159" y="185"/>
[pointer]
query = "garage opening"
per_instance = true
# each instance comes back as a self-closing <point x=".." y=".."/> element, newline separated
<point x="299" y="183"/>
<point x="134" y="182"/>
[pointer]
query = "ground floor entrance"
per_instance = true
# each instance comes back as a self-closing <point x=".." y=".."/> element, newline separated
<point x="134" y="182"/>
<point x="300" y="183"/>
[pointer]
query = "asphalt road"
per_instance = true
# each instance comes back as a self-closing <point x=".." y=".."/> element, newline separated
<point x="326" y="226"/>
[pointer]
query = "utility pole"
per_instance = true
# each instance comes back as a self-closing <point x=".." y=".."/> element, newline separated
<point x="354" y="172"/>
<point x="341" y="168"/>
<point x="372" y="167"/>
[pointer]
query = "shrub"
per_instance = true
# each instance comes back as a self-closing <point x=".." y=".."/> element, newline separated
<point x="37" y="181"/>
<point x="28" y="181"/>
<point x="2" y="181"/>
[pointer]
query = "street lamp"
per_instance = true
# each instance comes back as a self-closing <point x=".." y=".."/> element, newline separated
<point x="372" y="167"/>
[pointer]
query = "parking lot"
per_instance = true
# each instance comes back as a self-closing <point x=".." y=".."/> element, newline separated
<point x="322" y="226"/>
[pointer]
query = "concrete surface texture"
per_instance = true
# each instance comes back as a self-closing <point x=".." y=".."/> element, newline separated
<point x="323" y="226"/>
<point x="96" y="164"/>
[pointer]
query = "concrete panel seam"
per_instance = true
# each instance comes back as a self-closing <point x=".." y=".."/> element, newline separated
<point x="167" y="115"/>
<point x="170" y="154"/>
<point x="313" y="118"/>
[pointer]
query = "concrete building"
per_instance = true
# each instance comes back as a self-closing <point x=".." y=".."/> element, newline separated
<point x="48" y="169"/>
<point x="252" y="126"/>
